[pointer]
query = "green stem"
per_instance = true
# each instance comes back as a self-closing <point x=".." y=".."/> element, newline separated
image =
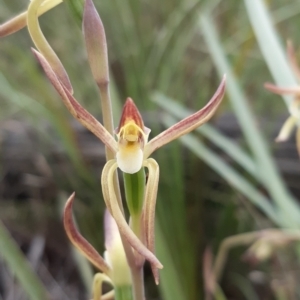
<point x="138" y="289"/>
<point x="134" y="191"/>
<point x="123" y="292"/>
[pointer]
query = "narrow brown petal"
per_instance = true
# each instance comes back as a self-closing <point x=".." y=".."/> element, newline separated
<point x="149" y="209"/>
<point x="13" y="25"/>
<point x="80" y="242"/>
<point x="188" y="124"/>
<point x="281" y="90"/>
<point x="95" y="40"/>
<point x="17" y="23"/>
<point x="293" y="59"/>
<point x="82" y="115"/>
<point x="42" y="44"/>
<point x="114" y="209"/>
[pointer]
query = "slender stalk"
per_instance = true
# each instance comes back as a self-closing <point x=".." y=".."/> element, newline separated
<point x="123" y="293"/>
<point x="138" y="290"/>
<point x="246" y="239"/>
<point x="227" y="244"/>
<point x="106" y="112"/>
<point x="136" y="272"/>
<point x="98" y="58"/>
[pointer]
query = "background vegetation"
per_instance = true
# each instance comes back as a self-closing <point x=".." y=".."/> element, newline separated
<point x="224" y="180"/>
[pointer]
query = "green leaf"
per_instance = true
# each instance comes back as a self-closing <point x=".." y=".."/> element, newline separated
<point x="233" y="177"/>
<point x="288" y="208"/>
<point x="270" y="45"/>
<point x="17" y="263"/>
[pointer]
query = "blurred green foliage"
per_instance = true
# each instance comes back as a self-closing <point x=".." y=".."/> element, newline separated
<point x="176" y="49"/>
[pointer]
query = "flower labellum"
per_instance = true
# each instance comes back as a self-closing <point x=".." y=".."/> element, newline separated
<point x="132" y="136"/>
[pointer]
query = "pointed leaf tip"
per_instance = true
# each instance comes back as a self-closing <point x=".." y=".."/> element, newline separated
<point x="79" y="241"/>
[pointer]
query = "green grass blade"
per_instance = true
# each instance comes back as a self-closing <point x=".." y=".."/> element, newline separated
<point x="170" y="283"/>
<point x="172" y="38"/>
<point x="287" y="205"/>
<point x="173" y="174"/>
<point x="20" y="267"/>
<point x="216" y="137"/>
<point x="270" y="45"/>
<point x="234" y="178"/>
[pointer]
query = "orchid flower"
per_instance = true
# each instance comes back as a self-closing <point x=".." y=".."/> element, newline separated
<point x="294" y="119"/>
<point x="129" y="144"/>
<point x="114" y="264"/>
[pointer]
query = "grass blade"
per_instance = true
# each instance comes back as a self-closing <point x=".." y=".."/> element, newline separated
<point x="224" y="143"/>
<point x="16" y="261"/>
<point x="234" y="178"/>
<point x="270" y="45"/>
<point x="287" y="205"/>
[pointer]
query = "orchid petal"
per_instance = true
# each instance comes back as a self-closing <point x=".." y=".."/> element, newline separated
<point x="20" y="21"/>
<point x="188" y="124"/>
<point x="281" y="90"/>
<point x="108" y="296"/>
<point x="42" y="44"/>
<point x="80" y="242"/>
<point x="115" y="254"/>
<point x="113" y="207"/>
<point x="132" y="136"/>
<point x="149" y="209"/>
<point x="79" y="113"/>
<point x="130" y="159"/>
<point x="99" y="278"/>
<point x="286" y="129"/>
<point x="131" y="112"/>
<point x="292" y="58"/>
<point x="95" y="40"/>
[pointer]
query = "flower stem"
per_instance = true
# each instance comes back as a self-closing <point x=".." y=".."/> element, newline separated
<point x="123" y="292"/>
<point x="138" y="290"/>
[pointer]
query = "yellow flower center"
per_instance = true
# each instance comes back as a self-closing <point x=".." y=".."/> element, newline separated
<point x="131" y="133"/>
<point x="131" y="140"/>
